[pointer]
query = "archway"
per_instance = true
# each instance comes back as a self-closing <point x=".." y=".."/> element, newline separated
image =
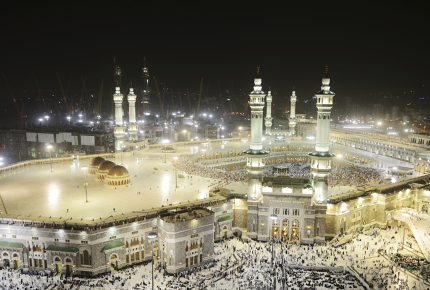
<point x="58" y="265"/>
<point x="6" y="260"/>
<point x="113" y="263"/>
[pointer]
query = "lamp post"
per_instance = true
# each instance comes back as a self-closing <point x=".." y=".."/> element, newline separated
<point x="50" y="157"/>
<point x="152" y="235"/>
<point x="84" y="168"/>
<point x="176" y="175"/>
<point x="273" y="217"/>
<point x="86" y="192"/>
<point x="404" y="230"/>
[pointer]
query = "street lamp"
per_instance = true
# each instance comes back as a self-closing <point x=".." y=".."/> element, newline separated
<point x="176" y="175"/>
<point x="86" y="192"/>
<point x="273" y="217"/>
<point x="404" y="229"/>
<point x="152" y="235"/>
<point x="84" y="168"/>
<point x="50" y="157"/>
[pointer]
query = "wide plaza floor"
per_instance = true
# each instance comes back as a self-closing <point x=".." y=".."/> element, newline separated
<point x="36" y="191"/>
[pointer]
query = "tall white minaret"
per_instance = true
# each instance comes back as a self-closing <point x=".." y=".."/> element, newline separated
<point x="255" y="156"/>
<point x="269" y="118"/>
<point x="321" y="157"/>
<point x="132" y="125"/>
<point x="292" y="123"/>
<point x="119" y="129"/>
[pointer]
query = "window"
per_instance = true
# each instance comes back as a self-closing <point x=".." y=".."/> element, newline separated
<point x="286" y="211"/>
<point x="135" y="232"/>
<point x="112" y="238"/>
<point x="276" y="211"/>
<point x="3" y="236"/>
<point x="154" y="228"/>
<point x="84" y="242"/>
<point x="35" y="238"/>
<point x="194" y="236"/>
<point x="13" y="236"/>
<point x="57" y="240"/>
<point x="67" y="241"/>
<point x="296" y="212"/>
<point x="224" y="212"/>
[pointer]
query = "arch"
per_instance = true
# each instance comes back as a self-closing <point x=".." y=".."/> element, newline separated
<point x="57" y="260"/>
<point x="113" y="257"/>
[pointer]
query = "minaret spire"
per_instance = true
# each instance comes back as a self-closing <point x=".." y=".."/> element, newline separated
<point x="119" y="128"/>
<point x="292" y="122"/>
<point x="268" y="118"/>
<point x="321" y="158"/>
<point x="255" y="155"/>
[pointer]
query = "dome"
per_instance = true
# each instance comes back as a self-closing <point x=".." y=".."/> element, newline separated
<point x="118" y="170"/>
<point x="106" y="165"/>
<point x="96" y="161"/>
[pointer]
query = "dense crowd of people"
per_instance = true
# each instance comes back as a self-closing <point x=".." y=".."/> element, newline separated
<point x="195" y="168"/>
<point x="292" y="169"/>
<point x="253" y="265"/>
<point x="353" y="175"/>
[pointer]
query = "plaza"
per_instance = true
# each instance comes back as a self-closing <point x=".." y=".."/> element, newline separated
<point x="235" y="213"/>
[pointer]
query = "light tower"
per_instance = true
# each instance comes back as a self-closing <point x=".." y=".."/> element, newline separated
<point x="132" y="125"/>
<point x="292" y="123"/>
<point x="119" y="129"/>
<point x="321" y="157"/>
<point x="268" y="118"/>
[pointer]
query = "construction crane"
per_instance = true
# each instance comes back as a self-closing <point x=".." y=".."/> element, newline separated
<point x="39" y="95"/>
<point x="180" y="99"/>
<point x="64" y="97"/>
<point x="189" y="102"/>
<point x="196" y="115"/>
<point x="99" y="104"/>
<point x="20" y="111"/>
<point x="161" y="102"/>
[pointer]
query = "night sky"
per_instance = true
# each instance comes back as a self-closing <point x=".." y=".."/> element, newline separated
<point x="369" y="46"/>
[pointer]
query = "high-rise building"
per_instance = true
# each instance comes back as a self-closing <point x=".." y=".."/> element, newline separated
<point x="145" y="76"/>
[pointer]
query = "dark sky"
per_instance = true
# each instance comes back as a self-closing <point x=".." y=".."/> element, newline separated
<point x="369" y="46"/>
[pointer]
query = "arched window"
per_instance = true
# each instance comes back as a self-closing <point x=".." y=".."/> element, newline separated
<point x="113" y="257"/>
<point x="57" y="259"/>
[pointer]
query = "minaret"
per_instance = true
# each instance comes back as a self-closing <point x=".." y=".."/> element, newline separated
<point x="292" y="123"/>
<point x="145" y="76"/>
<point x="321" y="157"/>
<point x="119" y="129"/>
<point x="132" y="125"/>
<point x="269" y="118"/>
<point x="255" y="156"/>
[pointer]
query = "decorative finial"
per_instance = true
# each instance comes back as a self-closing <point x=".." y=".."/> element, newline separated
<point x="258" y="71"/>
<point x="326" y="71"/>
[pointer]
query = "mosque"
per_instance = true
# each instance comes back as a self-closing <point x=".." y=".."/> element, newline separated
<point x="181" y="233"/>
